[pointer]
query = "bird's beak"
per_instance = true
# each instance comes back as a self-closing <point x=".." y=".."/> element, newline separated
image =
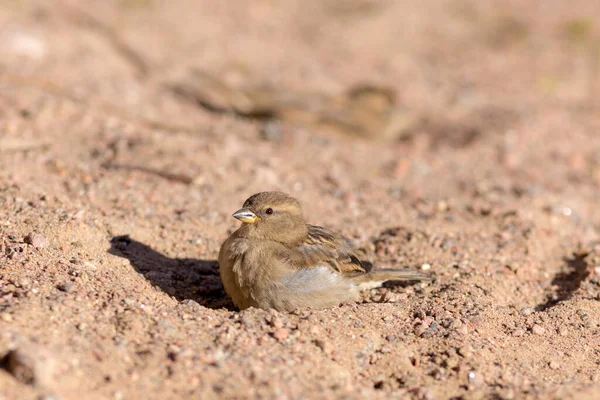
<point x="246" y="216"/>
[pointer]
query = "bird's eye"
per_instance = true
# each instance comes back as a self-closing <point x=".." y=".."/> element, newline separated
<point x="269" y="211"/>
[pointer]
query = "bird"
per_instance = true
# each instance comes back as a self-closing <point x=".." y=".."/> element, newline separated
<point x="276" y="260"/>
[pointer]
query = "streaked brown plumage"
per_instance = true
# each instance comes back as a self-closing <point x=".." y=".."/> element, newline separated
<point x="276" y="260"/>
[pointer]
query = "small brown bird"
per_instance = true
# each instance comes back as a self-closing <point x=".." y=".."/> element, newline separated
<point x="276" y="260"/>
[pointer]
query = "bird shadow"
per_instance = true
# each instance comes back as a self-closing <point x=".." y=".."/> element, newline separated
<point x="182" y="278"/>
<point x="567" y="281"/>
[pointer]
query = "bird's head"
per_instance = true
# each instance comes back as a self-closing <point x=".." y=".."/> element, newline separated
<point x="273" y="216"/>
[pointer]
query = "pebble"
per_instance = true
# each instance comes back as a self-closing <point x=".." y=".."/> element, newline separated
<point x="554" y="365"/>
<point x="194" y="305"/>
<point x="247" y="321"/>
<point x="24" y="43"/>
<point x="425" y="394"/>
<point x="475" y="379"/>
<point x="434" y="327"/>
<point x="271" y="131"/>
<point x="384" y="298"/>
<point x="276" y="322"/>
<point x="538" y="330"/>
<point x="590" y="324"/>
<point x="442" y="206"/>
<point x="30" y="365"/>
<point x="463" y="330"/>
<point x="6" y="317"/>
<point x="129" y="302"/>
<point x="527" y="311"/>
<point x="24" y="283"/>
<point x="281" y="333"/>
<point x="36" y="240"/>
<point x="420" y="329"/>
<point x="66" y="287"/>
<point x="563" y="331"/>
<point x="50" y="396"/>
<point x="464" y="351"/>
<point x="427" y="321"/>
<point x="518" y="332"/>
<point x="324" y="345"/>
<point x="216" y="358"/>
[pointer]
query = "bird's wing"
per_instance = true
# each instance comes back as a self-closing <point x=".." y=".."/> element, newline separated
<point x="323" y="247"/>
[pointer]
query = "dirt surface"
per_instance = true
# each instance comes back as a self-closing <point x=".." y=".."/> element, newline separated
<point x="116" y="193"/>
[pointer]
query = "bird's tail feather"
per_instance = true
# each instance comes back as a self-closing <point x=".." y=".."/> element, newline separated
<point x="377" y="277"/>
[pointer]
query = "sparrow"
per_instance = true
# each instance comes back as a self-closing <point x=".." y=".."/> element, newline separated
<point x="276" y="260"/>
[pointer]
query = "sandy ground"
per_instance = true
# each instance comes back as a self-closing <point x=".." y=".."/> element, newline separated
<point x="116" y="193"/>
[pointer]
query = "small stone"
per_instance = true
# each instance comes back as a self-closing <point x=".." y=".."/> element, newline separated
<point x="271" y="131"/>
<point x="464" y="351"/>
<point x="463" y="330"/>
<point x="247" y="321"/>
<point x="50" y="396"/>
<point x="24" y="283"/>
<point x="314" y="330"/>
<point x="24" y="43"/>
<point x="384" y="298"/>
<point x="438" y="373"/>
<point x="434" y="327"/>
<point x="554" y="365"/>
<point x="324" y="345"/>
<point x="420" y="329"/>
<point x="518" y="332"/>
<point x="538" y="330"/>
<point x="563" y="331"/>
<point x="475" y="379"/>
<point x="36" y="240"/>
<point x="425" y="394"/>
<point x="91" y="266"/>
<point x="29" y="365"/>
<point x="426" y="267"/>
<point x="66" y="287"/>
<point x="78" y="216"/>
<point x="442" y="206"/>
<point x="427" y="321"/>
<point x="281" y="333"/>
<point x="590" y="324"/>
<point x="6" y="317"/>
<point x="173" y="352"/>
<point x="194" y="305"/>
<point x="276" y="322"/>
<point x="527" y="311"/>
<point x="186" y="317"/>
<point x="216" y="357"/>
<point x="453" y="362"/>
<point x="385" y="350"/>
<point x="129" y="302"/>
